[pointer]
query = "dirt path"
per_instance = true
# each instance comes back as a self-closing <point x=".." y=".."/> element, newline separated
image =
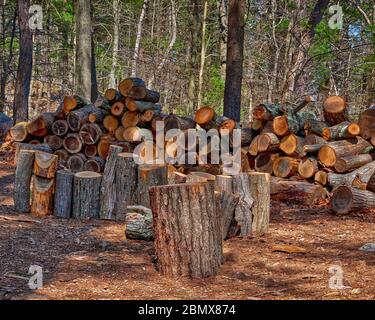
<point x="93" y="260"/>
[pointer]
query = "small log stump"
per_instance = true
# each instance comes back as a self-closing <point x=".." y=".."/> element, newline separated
<point x="63" y="194"/>
<point x="45" y="164"/>
<point x="187" y="230"/>
<point x="42" y="196"/>
<point x="86" y="200"/>
<point x="24" y="172"/>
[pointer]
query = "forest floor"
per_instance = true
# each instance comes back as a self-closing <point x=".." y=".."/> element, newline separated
<point x="93" y="260"/>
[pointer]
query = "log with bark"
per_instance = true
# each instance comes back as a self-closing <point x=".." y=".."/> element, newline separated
<point x="346" y="199"/>
<point x="267" y="112"/>
<point x="54" y="142"/>
<point x="264" y="162"/>
<point x="19" y="132"/>
<point x="285" y="167"/>
<point x="349" y="163"/>
<point x="308" y="167"/>
<point x="24" y="172"/>
<point x="90" y="133"/>
<point x="187" y="230"/>
<point x="343" y="130"/>
<point x="98" y="115"/>
<point x="130" y="119"/>
<point x="139" y="221"/>
<point x="60" y="128"/>
<point x="367" y="123"/>
<point x="26" y="146"/>
<point x="331" y="152"/>
<point x="335" y="111"/>
<point x="76" y="162"/>
<point x="141" y="106"/>
<point x="42" y="196"/>
<point x="40" y="126"/>
<point x="78" y="117"/>
<point x="72" y="143"/>
<point x="268" y="142"/>
<point x="313" y="126"/>
<point x="173" y="121"/>
<point x="206" y="117"/>
<point x="86" y="198"/>
<point x="112" y="95"/>
<point x="63" y="194"/>
<point x="94" y="164"/>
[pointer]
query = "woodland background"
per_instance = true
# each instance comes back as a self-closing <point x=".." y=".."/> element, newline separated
<point x="179" y="48"/>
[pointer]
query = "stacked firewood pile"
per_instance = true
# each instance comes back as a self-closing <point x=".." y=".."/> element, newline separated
<point x="333" y="153"/>
<point x="80" y="132"/>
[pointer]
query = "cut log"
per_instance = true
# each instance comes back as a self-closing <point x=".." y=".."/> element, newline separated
<point x="108" y="187"/>
<point x="346" y="199"/>
<point x="349" y="163"/>
<point x="90" y="133"/>
<point x="268" y="142"/>
<point x="42" y="196"/>
<point x="126" y="175"/>
<point x="19" y="132"/>
<point x="343" y="130"/>
<point x="292" y="145"/>
<point x="63" y="156"/>
<point x="133" y="134"/>
<point x="321" y="177"/>
<point x="103" y="146"/>
<point x="63" y="194"/>
<point x="126" y="85"/>
<point x="54" y="142"/>
<point x="228" y="125"/>
<point x="204" y="116"/>
<point x="314" y="139"/>
<point x="187" y="229"/>
<point x="102" y="103"/>
<point x="256" y="125"/>
<point x="111" y="123"/>
<point x="312" y="126"/>
<point x="304" y="103"/>
<point x="90" y="150"/>
<point x="296" y="192"/>
<point x="260" y="184"/>
<point x="40" y="126"/>
<point x="267" y="112"/>
<point x="363" y="175"/>
<point x="173" y="121"/>
<point x="130" y="119"/>
<point x="226" y="204"/>
<point x="148" y="176"/>
<point x="247" y="135"/>
<point x="147" y="116"/>
<point x="112" y="95"/>
<point x="24" y="171"/>
<point x="253" y="148"/>
<point x="119" y="133"/>
<point x="78" y="117"/>
<point x="335" y="110"/>
<point x="142" y="93"/>
<point x="118" y="108"/>
<point x="98" y="115"/>
<point x="367" y="123"/>
<point x="27" y="146"/>
<point x="331" y="152"/>
<point x="312" y="149"/>
<point x="287" y="124"/>
<point x="264" y="162"/>
<point x="243" y="217"/>
<point x="308" y="167"/>
<point x="139" y="223"/>
<point x="95" y="164"/>
<point x="74" y="102"/>
<point x="284" y="167"/>
<point x="370" y="186"/>
<point x="45" y="165"/>
<point x="86" y="204"/>
<point x="76" y="162"/>
<point x="141" y="106"/>
<point x="72" y="143"/>
<point x="60" y="128"/>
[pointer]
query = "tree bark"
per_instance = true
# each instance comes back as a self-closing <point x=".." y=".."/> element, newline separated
<point x="42" y="196"/>
<point x="233" y="82"/>
<point x="346" y="199"/>
<point x="63" y="194"/>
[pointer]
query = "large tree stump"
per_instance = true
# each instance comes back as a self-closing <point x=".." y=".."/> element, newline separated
<point x="42" y="196"/>
<point x="126" y="175"/>
<point x="346" y="199"/>
<point x="24" y="172"/>
<point x="86" y="200"/>
<point x="187" y="230"/>
<point x="108" y="187"/>
<point x="331" y="152"/>
<point x="148" y="176"/>
<point x="63" y="194"/>
<point x="259" y="189"/>
<point x="45" y="165"/>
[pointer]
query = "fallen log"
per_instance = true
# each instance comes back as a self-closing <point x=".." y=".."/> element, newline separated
<point x="298" y="192"/>
<point x="42" y="196"/>
<point x="86" y="204"/>
<point x="24" y="172"/>
<point x="63" y="194"/>
<point x="331" y="152"/>
<point x="346" y="199"/>
<point x="181" y="244"/>
<point x="335" y="111"/>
